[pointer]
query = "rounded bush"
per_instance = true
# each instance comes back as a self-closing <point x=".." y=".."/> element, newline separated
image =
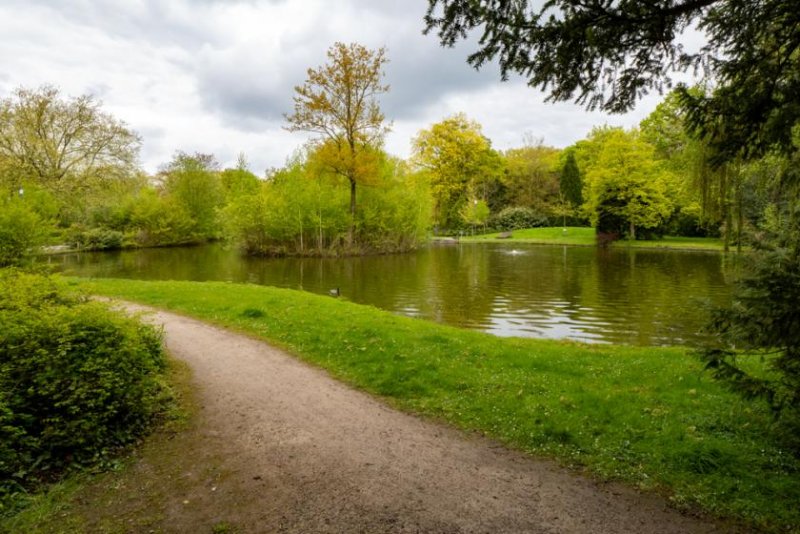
<point x="517" y="218"/>
<point x="77" y="379"/>
<point x="96" y="238"/>
<point x="21" y="230"/>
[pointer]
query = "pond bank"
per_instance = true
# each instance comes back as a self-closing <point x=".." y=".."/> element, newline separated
<point x="582" y="236"/>
<point x="646" y="416"/>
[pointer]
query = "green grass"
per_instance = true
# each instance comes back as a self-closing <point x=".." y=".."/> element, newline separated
<point x="647" y="416"/>
<point x="577" y="235"/>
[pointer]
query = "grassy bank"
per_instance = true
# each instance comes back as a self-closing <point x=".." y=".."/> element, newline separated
<point x="648" y="416"/>
<point x="576" y="235"/>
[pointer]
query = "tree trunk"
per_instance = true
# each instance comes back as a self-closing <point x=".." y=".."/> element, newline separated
<point x="351" y="230"/>
<point x="726" y="209"/>
<point x="739" y="216"/>
<point x="632" y="232"/>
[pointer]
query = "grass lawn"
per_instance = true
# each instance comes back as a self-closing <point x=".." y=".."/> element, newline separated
<point x="647" y="416"/>
<point x="577" y="235"/>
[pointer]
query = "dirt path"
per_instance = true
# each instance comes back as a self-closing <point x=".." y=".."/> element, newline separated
<point x="300" y="452"/>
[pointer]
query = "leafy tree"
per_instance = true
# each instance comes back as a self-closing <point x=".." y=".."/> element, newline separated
<point x="195" y="184"/>
<point x="460" y="161"/>
<point x="338" y="102"/>
<point x="570" y="183"/>
<point x="628" y="185"/>
<point x="157" y="219"/>
<point x="239" y="180"/>
<point x="607" y="54"/>
<point x="63" y="143"/>
<point x="531" y="176"/>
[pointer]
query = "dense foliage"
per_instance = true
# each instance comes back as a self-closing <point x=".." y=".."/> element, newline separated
<point x="302" y="210"/>
<point x="570" y="182"/>
<point x="763" y="323"/>
<point x="21" y="230"/>
<point x="77" y="381"/>
<point x="626" y="187"/>
<point x="462" y="166"/>
<point x="517" y="218"/>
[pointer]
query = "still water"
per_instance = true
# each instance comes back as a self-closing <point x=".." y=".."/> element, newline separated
<point x="641" y="297"/>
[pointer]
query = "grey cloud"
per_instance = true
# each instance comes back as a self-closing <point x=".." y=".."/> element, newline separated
<point x="150" y="20"/>
<point x="422" y="74"/>
<point x="248" y="89"/>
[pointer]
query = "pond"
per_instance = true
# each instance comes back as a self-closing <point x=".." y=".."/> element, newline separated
<point x="641" y="297"/>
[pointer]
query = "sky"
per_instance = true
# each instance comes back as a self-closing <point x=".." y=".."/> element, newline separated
<point x="217" y="76"/>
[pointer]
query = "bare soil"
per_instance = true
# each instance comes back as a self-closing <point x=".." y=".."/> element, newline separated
<point x="279" y="446"/>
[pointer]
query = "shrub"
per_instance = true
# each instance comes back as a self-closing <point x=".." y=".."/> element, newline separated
<point x="21" y="230"/>
<point x="77" y="380"/>
<point x="517" y="218"/>
<point x="96" y="238"/>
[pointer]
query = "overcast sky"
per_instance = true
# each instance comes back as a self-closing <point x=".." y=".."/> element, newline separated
<point x="216" y="76"/>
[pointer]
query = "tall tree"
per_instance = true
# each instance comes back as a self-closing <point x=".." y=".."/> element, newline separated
<point x="570" y="182"/>
<point x="608" y="54"/>
<point x="338" y="102"/>
<point x="63" y="143"/>
<point x="461" y="164"/>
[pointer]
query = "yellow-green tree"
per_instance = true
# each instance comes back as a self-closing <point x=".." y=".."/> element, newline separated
<point x="531" y="177"/>
<point x="338" y="102"/>
<point x="627" y="187"/>
<point x="461" y="164"/>
<point x="63" y="143"/>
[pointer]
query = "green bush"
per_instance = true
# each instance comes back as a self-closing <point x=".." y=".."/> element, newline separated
<point x="77" y="380"/>
<point x="95" y="238"/>
<point x="517" y="218"/>
<point x="21" y="230"/>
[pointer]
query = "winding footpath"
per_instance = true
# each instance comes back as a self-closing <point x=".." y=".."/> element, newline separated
<point x="301" y="452"/>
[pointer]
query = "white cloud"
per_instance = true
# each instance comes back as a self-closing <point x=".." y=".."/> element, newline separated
<point x="216" y="77"/>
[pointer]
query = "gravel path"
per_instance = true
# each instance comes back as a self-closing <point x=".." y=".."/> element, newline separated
<point x="302" y="452"/>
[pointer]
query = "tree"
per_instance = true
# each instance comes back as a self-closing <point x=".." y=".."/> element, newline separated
<point x="607" y="55"/>
<point x="338" y="102"/>
<point x="193" y="181"/>
<point x="626" y="184"/>
<point x="460" y="161"/>
<point x="570" y="183"/>
<point x="531" y="176"/>
<point x="763" y="323"/>
<point x="63" y="143"/>
<point x="239" y="180"/>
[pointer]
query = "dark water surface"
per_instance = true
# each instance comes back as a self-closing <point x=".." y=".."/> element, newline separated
<point x="642" y="297"/>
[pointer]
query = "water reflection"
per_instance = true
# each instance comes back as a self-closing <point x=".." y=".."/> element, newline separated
<point x="643" y="297"/>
